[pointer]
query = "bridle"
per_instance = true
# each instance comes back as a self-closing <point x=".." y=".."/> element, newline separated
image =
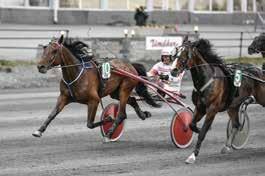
<point x="186" y="66"/>
<point x="58" y="48"/>
<point x="184" y="62"/>
<point x="255" y="48"/>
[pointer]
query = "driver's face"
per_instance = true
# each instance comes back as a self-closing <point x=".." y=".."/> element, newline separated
<point x="166" y="60"/>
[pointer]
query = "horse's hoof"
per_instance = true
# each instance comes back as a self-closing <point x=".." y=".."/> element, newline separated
<point x="106" y="140"/>
<point x="194" y="128"/>
<point x="37" y="134"/>
<point x="191" y="159"/>
<point x="226" y="149"/>
<point x="147" y="114"/>
<point x="109" y="119"/>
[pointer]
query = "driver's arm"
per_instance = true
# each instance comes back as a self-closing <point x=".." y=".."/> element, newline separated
<point x="177" y="78"/>
<point x="153" y="71"/>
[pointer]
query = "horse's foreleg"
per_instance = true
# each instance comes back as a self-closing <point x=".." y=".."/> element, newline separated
<point x="92" y="109"/>
<point x="207" y="124"/>
<point x="61" y="102"/>
<point x="197" y="117"/>
<point x="141" y="114"/>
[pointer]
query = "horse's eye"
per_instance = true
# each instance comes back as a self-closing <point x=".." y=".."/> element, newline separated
<point x="45" y="46"/>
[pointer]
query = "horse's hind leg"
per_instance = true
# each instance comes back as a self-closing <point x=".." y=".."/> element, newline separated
<point x="233" y="115"/>
<point x="124" y="94"/>
<point x="141" y="114"/>
<point x="92" y="109"/>
<point x="132" y="101"/>
<point x="61" y="102"/>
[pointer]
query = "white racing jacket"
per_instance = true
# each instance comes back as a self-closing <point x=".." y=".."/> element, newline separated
<point x="174" y="83"/>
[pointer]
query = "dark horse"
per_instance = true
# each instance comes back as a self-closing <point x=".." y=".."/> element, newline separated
<point x="82" y="83"/>
<point x="258" y="46"/>
<point x="213" y="88"/>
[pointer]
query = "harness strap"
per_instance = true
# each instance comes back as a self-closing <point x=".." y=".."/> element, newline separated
<point x="71" y="92"/>
<point x="209" y="82"/>
<point x="68" y="84"/>
<point x="206" y="85"/>
<point x="79" y="75"/>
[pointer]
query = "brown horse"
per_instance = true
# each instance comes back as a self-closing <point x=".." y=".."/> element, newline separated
<point x="214" y="90"/>
<point x="258" y="46"/>
<point x="82" y="83"/>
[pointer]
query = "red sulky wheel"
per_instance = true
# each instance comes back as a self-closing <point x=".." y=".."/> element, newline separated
<point x="112" y="111"/>
<point x="180" y="132"/>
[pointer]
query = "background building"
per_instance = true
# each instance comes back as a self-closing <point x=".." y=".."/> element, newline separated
<point x="111" y="12"/>
<point x="191" y="5"/>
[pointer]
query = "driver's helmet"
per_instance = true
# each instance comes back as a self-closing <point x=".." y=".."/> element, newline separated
<point x="166" y="52"/>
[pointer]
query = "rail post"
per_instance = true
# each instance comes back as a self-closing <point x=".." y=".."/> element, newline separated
<point x="55" y="11"/>
<point x="67" y="33"/>
<point x="196" y="32"/>
<point x="126" y="45"/>
<point x="240" y="45"/>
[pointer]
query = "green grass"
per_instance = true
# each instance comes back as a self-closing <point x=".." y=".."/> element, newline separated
<point x="251" y="60"/>
<point x="7" y="63"/>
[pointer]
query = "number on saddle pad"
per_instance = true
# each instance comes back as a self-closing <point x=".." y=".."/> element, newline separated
<point x="105" y="70"/>
<point x="238" y="78"/>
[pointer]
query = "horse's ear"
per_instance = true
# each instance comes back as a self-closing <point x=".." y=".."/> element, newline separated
<point x="185" y="39"/>
<point x="61" y="39"/>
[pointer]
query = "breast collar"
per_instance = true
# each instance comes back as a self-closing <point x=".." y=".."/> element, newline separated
<point x="206" y="85"/>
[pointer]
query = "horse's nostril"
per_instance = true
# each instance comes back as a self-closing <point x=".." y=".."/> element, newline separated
<point x="40" y="66"/>
<point x="251" y="50"/>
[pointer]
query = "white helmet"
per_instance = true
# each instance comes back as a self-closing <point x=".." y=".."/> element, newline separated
<point x="166" y="52"/>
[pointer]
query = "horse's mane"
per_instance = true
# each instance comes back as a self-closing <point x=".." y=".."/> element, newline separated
<point x="261" y="36"/>
<point x="75" y="47"/>
<point x="205" y="49"/>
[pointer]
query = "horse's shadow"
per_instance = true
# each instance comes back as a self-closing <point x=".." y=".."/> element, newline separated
<point x="235" y="155"/>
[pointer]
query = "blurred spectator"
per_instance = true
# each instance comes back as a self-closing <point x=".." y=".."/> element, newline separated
<point x="39" y="3"/>
<point x="140" y="16"/>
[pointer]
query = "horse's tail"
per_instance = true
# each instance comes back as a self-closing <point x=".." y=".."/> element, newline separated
<point x="141" y="88"/>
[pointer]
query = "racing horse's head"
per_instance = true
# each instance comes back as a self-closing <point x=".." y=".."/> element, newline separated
<point x="257" y="45"/>
<point x="183" y="58"/>
<point x="51" y="55"/>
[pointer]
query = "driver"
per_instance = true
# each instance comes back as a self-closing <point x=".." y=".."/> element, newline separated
<point x="162" y="70"/>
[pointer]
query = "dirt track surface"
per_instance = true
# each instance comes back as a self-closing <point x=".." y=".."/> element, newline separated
<point x="69" y="148"/>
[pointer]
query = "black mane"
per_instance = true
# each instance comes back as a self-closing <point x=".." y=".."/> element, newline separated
<point x="261" y="37"/>
<point x="75" y="47"/>
<point x="262" y="34"/>
<point x="205" y="49"/>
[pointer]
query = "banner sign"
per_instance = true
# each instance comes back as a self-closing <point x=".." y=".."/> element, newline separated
<point x="157" y="43"/>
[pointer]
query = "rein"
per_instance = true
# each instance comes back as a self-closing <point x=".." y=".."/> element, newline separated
<point x="211" y="80"/>
<point x="225" y="65"/>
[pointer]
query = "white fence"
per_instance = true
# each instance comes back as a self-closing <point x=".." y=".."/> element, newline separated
<point x="24" y="44"/>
